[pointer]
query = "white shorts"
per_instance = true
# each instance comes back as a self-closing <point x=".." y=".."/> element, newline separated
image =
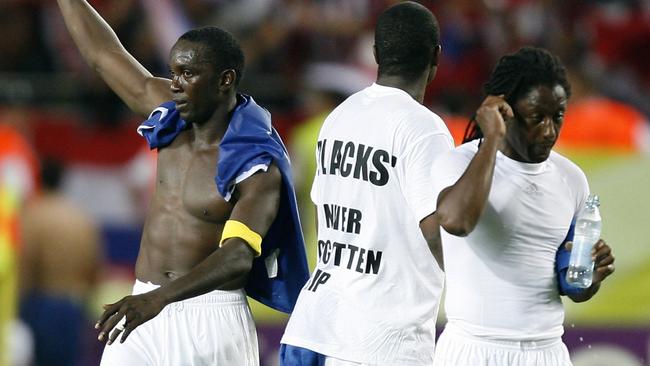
<point x="216" y="328"/>
<point x="331" y="361"/>
<point x="454" y="348"/>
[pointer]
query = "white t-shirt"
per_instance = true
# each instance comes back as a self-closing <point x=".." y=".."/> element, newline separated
<point x="501" y="279"/>
<point x="375" y="293"/>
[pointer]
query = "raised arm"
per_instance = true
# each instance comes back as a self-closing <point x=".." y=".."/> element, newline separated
<point x="460" y="205"/>
<point x="256" y="207"/>
<point x="103" y="52"/>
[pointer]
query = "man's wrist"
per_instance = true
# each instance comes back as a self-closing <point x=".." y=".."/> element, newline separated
<point x="163" y="295"/>
<point x="491" y="142"/>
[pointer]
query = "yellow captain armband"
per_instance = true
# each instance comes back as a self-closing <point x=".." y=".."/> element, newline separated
<point x="236" y="229"/>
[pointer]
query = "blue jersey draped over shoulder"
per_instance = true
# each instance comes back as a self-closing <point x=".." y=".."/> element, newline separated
<point x="251" y="144"/>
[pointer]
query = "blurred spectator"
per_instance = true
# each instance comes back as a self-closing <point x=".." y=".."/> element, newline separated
<point x="22" y="47"/>
<point x="619" y="48"/>
<point x="17" y="183"/>
<point x="598" y="122"/>
<point x="60" y="265"/>
<point x="128" y="19"/>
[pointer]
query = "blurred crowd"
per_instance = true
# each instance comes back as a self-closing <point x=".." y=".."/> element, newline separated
<point x="599" y="40"/>
<point x="302" y="59"/>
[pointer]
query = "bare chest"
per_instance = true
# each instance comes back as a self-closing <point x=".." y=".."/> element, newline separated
<point x="186" y="182"/>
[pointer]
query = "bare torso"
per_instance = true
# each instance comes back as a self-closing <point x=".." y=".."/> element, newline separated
<point x="53" y="229"/>
<point x="186" y="215"/>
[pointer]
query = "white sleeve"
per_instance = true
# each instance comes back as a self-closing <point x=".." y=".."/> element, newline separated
<point x="415" y="174"/>
<point x="448" y="168"/>
<point x="582" y="189"/>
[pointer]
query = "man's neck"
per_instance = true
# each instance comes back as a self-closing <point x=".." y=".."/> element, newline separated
<point x="210" y="132"/>
<point x="414" y="88"/>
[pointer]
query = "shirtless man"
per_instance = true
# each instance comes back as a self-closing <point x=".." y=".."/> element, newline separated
<point x="181" y="255"/>
<point x="55" y="284"/>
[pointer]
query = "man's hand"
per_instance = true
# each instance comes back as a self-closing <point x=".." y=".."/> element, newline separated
<point x="603" y="261"/>
<point x="491" y="116"/>
<point x="134" y="309"/>
<point x="603" y="267"/>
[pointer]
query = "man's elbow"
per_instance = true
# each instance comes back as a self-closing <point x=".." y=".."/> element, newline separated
<point x="457" y="225"/>
<point x="240" y="261"/>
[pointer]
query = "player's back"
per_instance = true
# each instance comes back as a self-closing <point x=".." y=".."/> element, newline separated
<point x="374" y="294"/>
<point x="64" y="244"/>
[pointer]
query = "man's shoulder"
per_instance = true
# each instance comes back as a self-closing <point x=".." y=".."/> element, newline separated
<point x="422" y="121"/>
<point x="564" y="163"/>
<point x="567" y="167"/>
<point x="457" y="157"/>
<point x="469" y="148"/>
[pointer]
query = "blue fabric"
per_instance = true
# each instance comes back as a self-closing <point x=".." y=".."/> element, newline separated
<point x="162" y="126"/>
<point x="562" y="257"/>
<point x="297" y="356"/>
<point x="251" y="140"/>
<point x="57" y="324"/>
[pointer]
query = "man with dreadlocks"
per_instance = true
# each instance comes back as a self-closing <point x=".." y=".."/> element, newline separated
<point x="503" y="299"/>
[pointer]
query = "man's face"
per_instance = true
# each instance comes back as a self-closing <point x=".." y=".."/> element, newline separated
<point x="194" y="83"/>
<point x="539" y="114"/>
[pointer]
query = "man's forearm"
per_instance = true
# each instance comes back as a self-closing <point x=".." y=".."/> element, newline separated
<point x="103" y="52"/>
<point x="88" y="29"/>
<point x="461" y="205"/>
<point x="219" y="269"/>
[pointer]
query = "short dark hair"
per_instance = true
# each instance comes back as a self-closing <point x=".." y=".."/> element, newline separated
<point x="516" y="74"/>
<point x="405" y="38"/>
<point x="223" y="49"/>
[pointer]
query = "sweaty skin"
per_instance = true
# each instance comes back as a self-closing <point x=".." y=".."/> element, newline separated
<point x="186" y="208"/>
<point x="538" y="119"/>
<point x="180" y="242"/>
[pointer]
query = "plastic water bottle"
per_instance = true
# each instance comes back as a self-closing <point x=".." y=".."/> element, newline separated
<point x="587" y="233"/>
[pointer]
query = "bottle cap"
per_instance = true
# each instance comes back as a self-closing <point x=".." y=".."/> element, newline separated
<point x="592" y="202"/>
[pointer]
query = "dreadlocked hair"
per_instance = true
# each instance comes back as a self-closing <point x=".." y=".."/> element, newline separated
<point x="516" y="74"/>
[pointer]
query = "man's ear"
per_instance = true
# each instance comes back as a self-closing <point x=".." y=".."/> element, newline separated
<point x="436" y="55"/>
<point x="227" y="80"/>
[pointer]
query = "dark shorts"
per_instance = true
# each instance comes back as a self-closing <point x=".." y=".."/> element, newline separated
<point x="297" y="356"/>
<point x="57" y="324"/>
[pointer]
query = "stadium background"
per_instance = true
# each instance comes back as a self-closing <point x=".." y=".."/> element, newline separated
<point x="303" y="57"/>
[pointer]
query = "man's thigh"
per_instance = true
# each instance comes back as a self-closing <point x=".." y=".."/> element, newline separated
<point x="190" y="334"/>
<point x="135" y="351"/>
